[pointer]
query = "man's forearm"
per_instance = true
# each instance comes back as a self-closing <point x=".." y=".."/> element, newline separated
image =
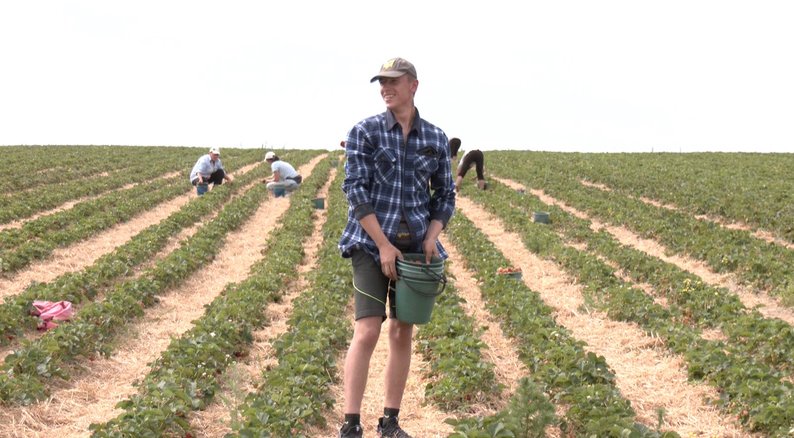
<point x="434" y="230"/>
<point x="372" y="227"/>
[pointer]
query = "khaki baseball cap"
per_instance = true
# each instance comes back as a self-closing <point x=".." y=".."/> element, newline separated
<point x="215" y="150"/>
<point x="394" y="68"/>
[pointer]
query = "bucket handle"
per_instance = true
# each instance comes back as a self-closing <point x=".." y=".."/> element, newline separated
<point x="439" y="278"/>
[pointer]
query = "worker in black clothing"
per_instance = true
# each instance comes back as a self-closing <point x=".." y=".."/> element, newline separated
<point x="473" y="157"/>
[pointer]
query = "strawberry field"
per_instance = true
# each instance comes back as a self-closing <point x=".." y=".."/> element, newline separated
<point x="656" y="302"/>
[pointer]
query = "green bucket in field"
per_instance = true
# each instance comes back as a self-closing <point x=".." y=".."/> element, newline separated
<point x="417" y="287"/>
<point x="318" y="203"/>
<point x="515" y="275"/>
<point x="541" y="217"/>
<point x="202" y="188"/>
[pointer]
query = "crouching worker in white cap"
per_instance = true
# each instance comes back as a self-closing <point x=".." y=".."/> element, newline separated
<point x="208" y="169"/>
<point x="284" y="175"/>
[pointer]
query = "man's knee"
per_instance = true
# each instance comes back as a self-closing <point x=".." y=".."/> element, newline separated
<point x="367" y="331"/>
<point x="400" y="331"/>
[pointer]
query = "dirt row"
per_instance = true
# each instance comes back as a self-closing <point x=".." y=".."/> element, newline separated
<point x="246" y="375"/>
<point x="768" y="306"/>
<point x="68" y="205"/>
<point x="760" y="234"/>
<point x="74" y="256"/>
<point x="646" y="373"/>
<point x="92" y="394"/>
<point x="82" y="254"/>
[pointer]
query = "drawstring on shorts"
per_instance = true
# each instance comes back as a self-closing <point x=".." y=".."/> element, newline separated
<point x="390" y="288"/>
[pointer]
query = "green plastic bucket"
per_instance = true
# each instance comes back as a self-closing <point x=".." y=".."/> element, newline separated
<point x="415" y="298"/>
<point x="417" y="288"/>
<point x="318" y="203"/>
<point x="202" y="188"/>
<point x="541" y="217"/>
<point x="279" y="192"/>
<point x="515" y="275"/>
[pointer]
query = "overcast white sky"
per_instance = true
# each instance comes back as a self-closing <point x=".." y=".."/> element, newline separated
<point x="555" y="75"/>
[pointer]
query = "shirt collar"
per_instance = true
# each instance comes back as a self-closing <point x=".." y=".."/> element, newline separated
<point x="391" y="120"/>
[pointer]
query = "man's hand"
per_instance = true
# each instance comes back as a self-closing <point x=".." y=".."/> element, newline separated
<point x="389" y="255"/>
<point x="429" y="244"/>
<point x="430" y="249"/>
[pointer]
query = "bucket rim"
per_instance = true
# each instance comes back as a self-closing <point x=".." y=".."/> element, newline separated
<point x="418" y="256"/>
<point x="420" y="267"/>
<point x="412" y="263"/>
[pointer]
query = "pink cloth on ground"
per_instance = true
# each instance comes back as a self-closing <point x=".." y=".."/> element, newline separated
<point x="50" y="311"/>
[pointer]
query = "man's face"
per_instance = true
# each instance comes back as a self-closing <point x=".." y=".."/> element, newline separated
<point x="214" y="157"/>
<point x="398" y="92"/>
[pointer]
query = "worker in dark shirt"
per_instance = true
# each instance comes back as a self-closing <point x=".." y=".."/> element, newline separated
<point x="473" y="157"/>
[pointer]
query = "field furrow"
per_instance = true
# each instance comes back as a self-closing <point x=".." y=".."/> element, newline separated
<point x="655" y="303"/>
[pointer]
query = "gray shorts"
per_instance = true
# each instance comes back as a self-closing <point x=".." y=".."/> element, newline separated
<point x="371" y="287"/>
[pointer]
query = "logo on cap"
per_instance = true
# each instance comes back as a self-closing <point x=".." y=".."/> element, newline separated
<point x="394" y="68"/>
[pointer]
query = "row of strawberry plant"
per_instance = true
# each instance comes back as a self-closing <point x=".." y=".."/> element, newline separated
<point x="189" y="373"/>
<point x="46" y="165"/>
<point x="558" y="363"/>
<point x="758" y="262"/>
<point x="24" y="204"/>
<point x="74" y="217"/>
<point x="98" y="214"/>
<point x="126" y="204"/>
<point x="451" y="344"/>
<point x="295" y="393"/>
<point x="758" y="393"/>
<point x="24" y="371"/>
<point x="83" y="170"/>
<point x="77" y="287"/>
<point x="769" y="340"/>
<point x="755" y="189"/>
<point x="529" y="413"/>
<point x="46" y="158"/>
<point x="80" y="213"/>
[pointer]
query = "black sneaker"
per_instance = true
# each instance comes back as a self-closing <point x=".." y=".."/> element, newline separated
<point x="347" y="431"/>
<point x="390" y="428"/>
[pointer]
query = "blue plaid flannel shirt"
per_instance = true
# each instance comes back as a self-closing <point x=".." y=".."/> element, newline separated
<point x="394" y="181"/>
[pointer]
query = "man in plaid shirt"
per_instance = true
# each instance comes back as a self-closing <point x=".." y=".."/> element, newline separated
<point x="401" y="195"/>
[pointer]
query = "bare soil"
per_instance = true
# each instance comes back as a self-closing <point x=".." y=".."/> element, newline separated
<point x="91" y="396"/>
<point x="646" y="373"/>
<point x="768" y="306"/>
